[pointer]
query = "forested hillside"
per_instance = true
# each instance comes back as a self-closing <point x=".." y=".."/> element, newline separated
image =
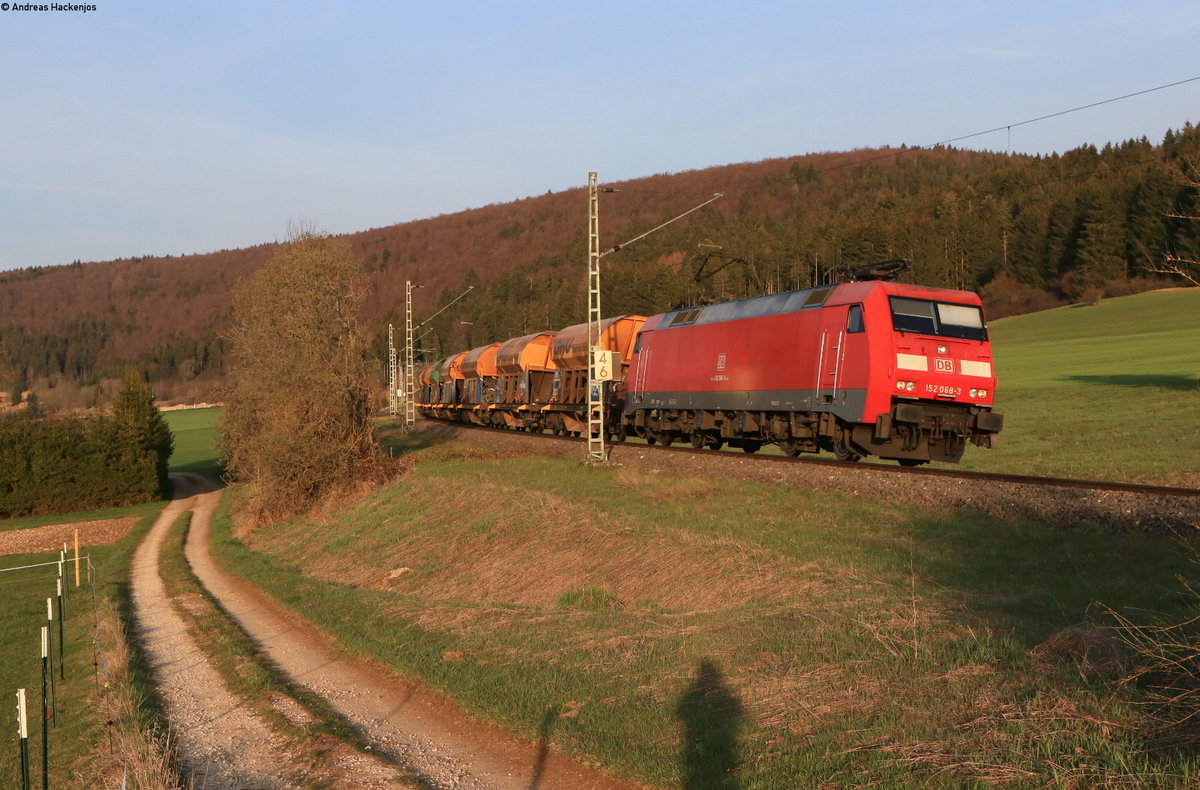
<point x="1028" y="232"/>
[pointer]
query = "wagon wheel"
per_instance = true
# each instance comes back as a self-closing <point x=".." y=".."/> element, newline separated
<point x="666" y="438"/>
<point x="790" y="447"/>
<point x="697" y="440"/>
<point x="751" y="447"/>
<point x="716" y="444"/>
<point x="911" y="461"/>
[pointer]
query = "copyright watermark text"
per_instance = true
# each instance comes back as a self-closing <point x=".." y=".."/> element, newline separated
<point x="78" y="8"/>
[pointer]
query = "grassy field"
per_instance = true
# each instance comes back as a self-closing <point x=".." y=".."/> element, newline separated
<point x="195" y="433"/>
<point x="681" y="631"/>
<point x="1106" y="392"/>
<point x="82" y="743"/>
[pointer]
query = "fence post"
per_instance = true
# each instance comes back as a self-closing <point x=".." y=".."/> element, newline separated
<point x="62" y="640"/>
<point x="76" y="558"/>
<point x="23" y="735"/>
<point x="45" y="707"/>
<point x="50" y="657"/>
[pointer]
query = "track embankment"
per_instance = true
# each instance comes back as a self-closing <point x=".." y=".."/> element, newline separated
<point x="1047" y="502"/>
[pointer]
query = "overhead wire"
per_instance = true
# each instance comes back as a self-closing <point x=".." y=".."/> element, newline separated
<point x="892" y="152"/>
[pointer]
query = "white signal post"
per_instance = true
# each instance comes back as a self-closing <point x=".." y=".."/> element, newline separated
<point x="597" y="357"/>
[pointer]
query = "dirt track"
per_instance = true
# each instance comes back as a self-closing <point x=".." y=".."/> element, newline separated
<point x="406" y="725"/>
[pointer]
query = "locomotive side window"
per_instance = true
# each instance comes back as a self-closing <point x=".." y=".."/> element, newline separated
<point x="854" y="319"/>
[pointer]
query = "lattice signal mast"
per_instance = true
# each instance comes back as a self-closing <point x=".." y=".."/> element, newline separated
<point x="410" y="389"/>
<point x="393" y="405"/>
<point x="596" y="451"/>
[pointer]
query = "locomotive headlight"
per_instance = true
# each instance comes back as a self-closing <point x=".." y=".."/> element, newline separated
<point x="910" y="386"/>
<point x="974" y="392"/>
<point x="899" y="385"/>
<point x="941" y="349"/>
<point x="983" y="393"/>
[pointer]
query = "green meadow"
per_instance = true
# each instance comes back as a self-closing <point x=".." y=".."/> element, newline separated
<point x="1106" y="392"/>
<point x="195" y="432"/>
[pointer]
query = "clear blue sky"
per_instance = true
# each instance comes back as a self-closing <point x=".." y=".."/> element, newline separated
<point x="172" y="127"/>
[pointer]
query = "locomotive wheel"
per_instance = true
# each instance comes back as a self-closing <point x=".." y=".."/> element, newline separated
<point x="844" y="453"/>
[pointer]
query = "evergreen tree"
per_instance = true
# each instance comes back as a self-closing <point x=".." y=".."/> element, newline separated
<point x="142" y="432"/>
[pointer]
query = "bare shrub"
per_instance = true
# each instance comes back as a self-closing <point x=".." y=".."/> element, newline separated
<point x="1006" y="296"/>
<point x="1166" y="672"/>
<point x="297" y="413"/>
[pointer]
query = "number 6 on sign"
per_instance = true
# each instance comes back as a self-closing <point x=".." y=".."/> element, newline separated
<point x="605" y="364"/>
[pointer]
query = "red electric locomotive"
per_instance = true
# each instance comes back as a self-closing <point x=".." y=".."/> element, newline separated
<point x="862" y="368"/>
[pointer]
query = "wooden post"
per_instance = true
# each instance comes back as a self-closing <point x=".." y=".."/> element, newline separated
<point x="76" y="558"/>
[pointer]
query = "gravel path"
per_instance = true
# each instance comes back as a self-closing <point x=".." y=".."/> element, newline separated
<point x="223" y="745"/>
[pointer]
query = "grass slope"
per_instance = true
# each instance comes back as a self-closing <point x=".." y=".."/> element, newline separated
<point x="711" y="633"/>
<point x="1106" y="392"/>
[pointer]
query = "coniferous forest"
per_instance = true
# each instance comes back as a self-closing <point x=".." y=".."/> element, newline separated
<point x="1027" y="232"/>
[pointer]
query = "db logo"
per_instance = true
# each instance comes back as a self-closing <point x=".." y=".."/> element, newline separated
<point x="943" y="365"/>
<point x="720" y="362"/>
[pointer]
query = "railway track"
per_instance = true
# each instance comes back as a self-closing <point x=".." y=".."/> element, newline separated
<point x="1053" y="501"/>
<point x="887" y="468"/>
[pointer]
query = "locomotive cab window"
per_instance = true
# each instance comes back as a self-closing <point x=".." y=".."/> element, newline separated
<point x="854" y="319"/>
<point x="938" y="318"/>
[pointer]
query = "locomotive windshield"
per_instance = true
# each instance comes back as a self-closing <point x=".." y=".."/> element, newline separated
<point x="938" y="318"/>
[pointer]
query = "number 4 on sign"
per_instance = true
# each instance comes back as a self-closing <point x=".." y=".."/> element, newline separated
<point x="605" y="364"/>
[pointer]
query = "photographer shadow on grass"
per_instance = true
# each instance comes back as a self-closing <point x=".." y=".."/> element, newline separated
<point x="711" y="715"/>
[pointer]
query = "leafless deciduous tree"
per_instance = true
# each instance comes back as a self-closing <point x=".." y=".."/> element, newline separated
<point x="296" y="423"/>
<point x="1178" y="265"/>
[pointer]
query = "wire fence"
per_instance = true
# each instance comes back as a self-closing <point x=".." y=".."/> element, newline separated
<point x="21" y="591"/>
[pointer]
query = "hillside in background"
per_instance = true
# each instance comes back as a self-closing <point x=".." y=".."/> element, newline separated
<point x="1029" y="232"/>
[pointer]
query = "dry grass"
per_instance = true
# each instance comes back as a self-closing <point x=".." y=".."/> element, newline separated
<point x="528" y="549"/>
<point x="1095" y="653"/>
<point x="136" y="752"/>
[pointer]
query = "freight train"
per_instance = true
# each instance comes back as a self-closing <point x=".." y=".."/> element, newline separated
<point x="879" y="368"/>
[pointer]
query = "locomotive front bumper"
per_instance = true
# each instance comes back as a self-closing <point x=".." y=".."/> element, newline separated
<point x="940" y="417"/>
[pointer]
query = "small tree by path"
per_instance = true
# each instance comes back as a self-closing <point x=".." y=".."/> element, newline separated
<point x="296" y="424"/>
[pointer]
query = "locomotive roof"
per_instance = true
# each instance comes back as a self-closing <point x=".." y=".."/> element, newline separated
<point x="792" y="301"/>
